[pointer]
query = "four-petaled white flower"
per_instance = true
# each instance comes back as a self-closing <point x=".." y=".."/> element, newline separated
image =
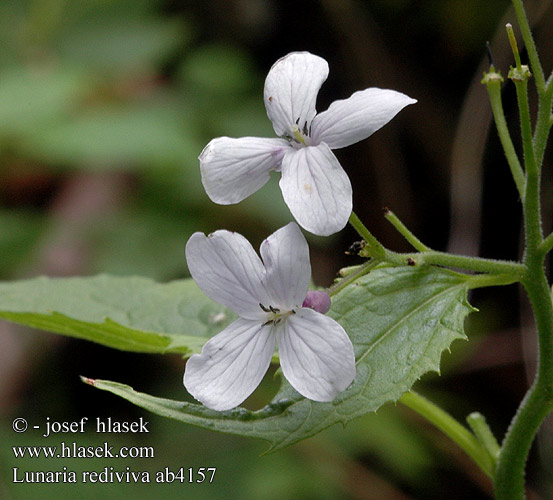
<point x="316" y="354"/>
<point x="314" y="185"/>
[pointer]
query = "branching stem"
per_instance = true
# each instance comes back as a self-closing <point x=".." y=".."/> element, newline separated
<point x="452" y="428"/>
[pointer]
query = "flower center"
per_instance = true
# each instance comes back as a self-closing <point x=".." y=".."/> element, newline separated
<point x="297" y="134"/>
<point x="275" y="315"/>
<point x="300" y="136"/>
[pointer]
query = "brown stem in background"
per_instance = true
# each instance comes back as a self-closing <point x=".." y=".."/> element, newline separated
<point x="83" y="199"/>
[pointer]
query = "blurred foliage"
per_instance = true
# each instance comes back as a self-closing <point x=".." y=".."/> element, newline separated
<point x="83" y="87"/>
<point x="105" y="106"/>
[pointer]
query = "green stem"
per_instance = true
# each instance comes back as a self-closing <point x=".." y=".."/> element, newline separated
<point x="493" y="84"/>
<point x="484" y="434"/>
<point x="546" y="245"/>
<point x="490" y="266"/>
<point x="544" y="122"/>
<point x="452" y="428"/>
<point x="402" y="229"/>
<point x="530" y="45"/>
<point x="375" y="247"/>
<point x="487" y="280"/>
<point x="525" y="124"/>
<point x="538" y="402"/>
<point x="532" y="217"/>
<point x="514" y="45"/>
<point x="378" y="252"/>
<point x="545" y="89"/>
<point x="351" y="277"/>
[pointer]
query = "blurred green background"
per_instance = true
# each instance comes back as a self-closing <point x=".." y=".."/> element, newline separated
<point x="105" y="106"/>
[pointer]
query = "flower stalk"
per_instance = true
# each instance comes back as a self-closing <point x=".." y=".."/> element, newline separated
<point x="484" y="434"/>
<point x="375" y="250"/>
<point x="493" y="80"/>
<point x="374" y="247"/>
<point x="530" y="44"/>
<point x="509" y="480"/>
<point x="451" y="428"/>
<point x="405" y="232"/>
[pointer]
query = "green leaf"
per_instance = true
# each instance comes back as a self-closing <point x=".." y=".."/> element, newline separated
<point x="115" y="136"/>
<point x="104" y="43"/>
<point x="400" y="321"/>
<point x="128" y="313"/>
<point x="32" y="100"/>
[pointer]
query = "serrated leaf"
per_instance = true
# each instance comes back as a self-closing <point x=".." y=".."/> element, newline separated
<point x="128" y="313"/>
<point x="400" y="321"/>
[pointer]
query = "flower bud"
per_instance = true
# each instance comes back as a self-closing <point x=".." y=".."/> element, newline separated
<point x="317" y="300"/>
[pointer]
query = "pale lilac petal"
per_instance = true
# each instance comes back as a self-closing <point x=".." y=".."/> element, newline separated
<point x="316" y="189"/>
<point x="316" y="355"/>
<point x="351" y="120"/>
<point x="291" y="89"/>
<point x="317" y="300"/>
<point x="231" y="364"/>
<point x="233" y="169"/>
<point x="229" y="271"/>
<point x="286" y="257"/>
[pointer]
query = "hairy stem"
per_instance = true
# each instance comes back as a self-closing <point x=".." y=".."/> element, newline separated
<point x="538" y="402"/>
<point x="509" y="481"/>
<point x="404" y="231"/>
<point x="376" y="248"/>
<point x="525" y="125"/>
<point x="443" y="259"/>
<point x="379" y="253"/>
<point x="544" y="123"/>
<point x="529" y="43"/>
<point x="493" y="84"/>
<point x="484" y="434"/>
<point x="351" y="277"/>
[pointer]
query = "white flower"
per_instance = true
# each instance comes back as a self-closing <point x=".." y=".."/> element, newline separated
<point x="314" y="184"/>
<point x="316" y="354"/>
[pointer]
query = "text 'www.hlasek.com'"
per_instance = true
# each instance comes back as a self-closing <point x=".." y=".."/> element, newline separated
<point x="67" y="449"/>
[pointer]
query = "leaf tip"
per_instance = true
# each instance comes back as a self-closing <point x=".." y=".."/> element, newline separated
<point x="88" y="381"/>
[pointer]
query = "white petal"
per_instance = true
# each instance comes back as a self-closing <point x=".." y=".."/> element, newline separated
<point x="231" y="364"/>
<point x="351" y="120"/>
<point x="286" y="257"/>
<point x="233" y="169"/>
<point x="229" y="271"/>
<point x="316" y="355"/>
<point x="316" y="189"/>
<point x="291" y="89"/>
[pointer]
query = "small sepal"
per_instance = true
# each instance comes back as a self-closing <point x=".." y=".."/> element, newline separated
<point x="521" y="74"/>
